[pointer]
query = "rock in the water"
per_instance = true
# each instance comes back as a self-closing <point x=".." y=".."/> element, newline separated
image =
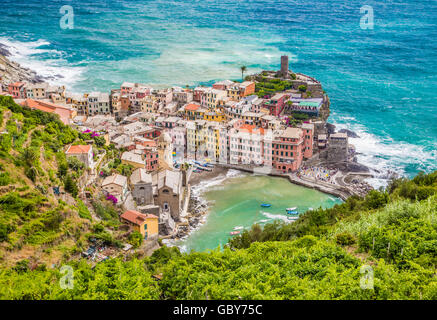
<point x="349" y="133"/>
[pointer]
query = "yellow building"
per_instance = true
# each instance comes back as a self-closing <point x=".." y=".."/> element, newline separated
<point x="193" y="111"/>
<point x="213" y="140"/>
<point x="234" y="93"/>
<point x="212" y="98"/>
<point x="214" y="116"/>
<point x="133" y="159"/>
<point x="146" y="224"/>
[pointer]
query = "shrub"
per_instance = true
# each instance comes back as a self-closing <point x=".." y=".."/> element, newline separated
<point x="5" y="179"/>
<point x="135" y="239"/>
<point x="345" y="239"/>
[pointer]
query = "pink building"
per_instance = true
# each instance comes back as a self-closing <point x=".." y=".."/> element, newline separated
<point x="276" y="103"/>
<point x="151" y="158"/>
<point x="198" y="93"/>
<point x="287" y="150"/>
<point x="126" y="88"/>
<point x="17" y="90"/>
<point x="308" y="129"/>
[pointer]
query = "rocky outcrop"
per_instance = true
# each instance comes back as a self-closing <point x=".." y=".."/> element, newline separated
<point x="12" y="72"/>
<point x="349" y="133"/>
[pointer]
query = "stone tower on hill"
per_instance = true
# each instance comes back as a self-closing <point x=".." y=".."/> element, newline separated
<point x="284" y="66"/>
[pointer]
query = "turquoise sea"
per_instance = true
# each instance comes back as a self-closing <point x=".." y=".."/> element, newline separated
<point x="382" y="81"/>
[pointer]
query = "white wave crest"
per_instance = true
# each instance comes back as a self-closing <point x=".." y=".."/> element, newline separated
<point x="386" y="156"/>
<point x="275" y="216"/>
<point x="48" y="63"/>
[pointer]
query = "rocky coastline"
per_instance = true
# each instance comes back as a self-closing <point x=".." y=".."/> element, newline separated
<point x="11" y="71"/>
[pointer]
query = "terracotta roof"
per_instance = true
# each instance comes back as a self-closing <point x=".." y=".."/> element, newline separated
<point x="32" y="104"/>
<point x="192" y="107"/>
<point x="17" y="84"/>
<point x="79" y="149"/>
<point x="136" y="217"/>
<point x="44" y="104"/>
<point x="251" y="128"/>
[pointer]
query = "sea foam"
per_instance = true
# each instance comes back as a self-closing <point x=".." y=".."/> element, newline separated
<point x="48" y="63"/>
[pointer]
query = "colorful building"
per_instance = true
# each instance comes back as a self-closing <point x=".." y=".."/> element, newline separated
<point x="276" y="104"/>
<point x="116" y="185"/>
<point x="133" y="159"/>
<point x="65" y="113"/>
<point x="287" y="150"/>
<point x="17" y="90"/>
<point x="308" y="129"/>
<point x="83" y="153"/>
<point x="151" y="158"/>
<point x="146" y="224"/>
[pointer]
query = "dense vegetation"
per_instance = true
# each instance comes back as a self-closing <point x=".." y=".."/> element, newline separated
<point x="271" y="86"/>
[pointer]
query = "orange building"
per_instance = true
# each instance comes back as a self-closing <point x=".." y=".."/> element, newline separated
<point x="247" y="88"/>
<point x="65" y="113"/>
<point x="146" y="224"/>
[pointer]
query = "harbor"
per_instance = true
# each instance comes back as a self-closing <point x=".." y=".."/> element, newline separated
<point x="227" y="211"/>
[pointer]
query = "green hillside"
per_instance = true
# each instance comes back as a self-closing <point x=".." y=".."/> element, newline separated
<point x="37" y="227"/>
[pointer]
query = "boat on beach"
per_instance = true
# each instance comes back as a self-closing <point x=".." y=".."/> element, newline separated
<point x="233" y="233"/>
<point x="199" y="167"/>
<point x="292" y="218"/>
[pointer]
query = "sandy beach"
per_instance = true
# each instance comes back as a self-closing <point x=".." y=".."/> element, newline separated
<point x="196" y="178"/>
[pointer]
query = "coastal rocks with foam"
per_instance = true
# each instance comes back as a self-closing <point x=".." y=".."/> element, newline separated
<point x="13" y="72"/>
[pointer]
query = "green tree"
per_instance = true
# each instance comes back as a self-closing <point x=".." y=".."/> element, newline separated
<point x="75" y="164"/>
<point x="302" y="88"/>
<point x="71" y="186"/>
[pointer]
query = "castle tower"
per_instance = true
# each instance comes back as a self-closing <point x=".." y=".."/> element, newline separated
<point x="284" y="66"/>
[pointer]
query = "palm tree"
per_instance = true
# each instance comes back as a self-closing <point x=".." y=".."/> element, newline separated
<point x="243" y="70"/>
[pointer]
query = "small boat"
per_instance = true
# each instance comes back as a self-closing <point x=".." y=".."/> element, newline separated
<point x="311" y="209"/>
<point x="292" y="212"/>
<point x="238" y="228"/>
<point x="264" y="220"/>
<point x="291" y="209"/>
<point x="265" y="205"/>
<point x="292" y="218"/>
<point x="233" y="233"/>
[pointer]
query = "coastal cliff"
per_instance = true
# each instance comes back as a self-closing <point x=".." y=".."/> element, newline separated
<point x="12" y="72"/>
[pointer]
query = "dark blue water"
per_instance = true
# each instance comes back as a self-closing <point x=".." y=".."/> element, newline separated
<point x="382" y="81"/>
